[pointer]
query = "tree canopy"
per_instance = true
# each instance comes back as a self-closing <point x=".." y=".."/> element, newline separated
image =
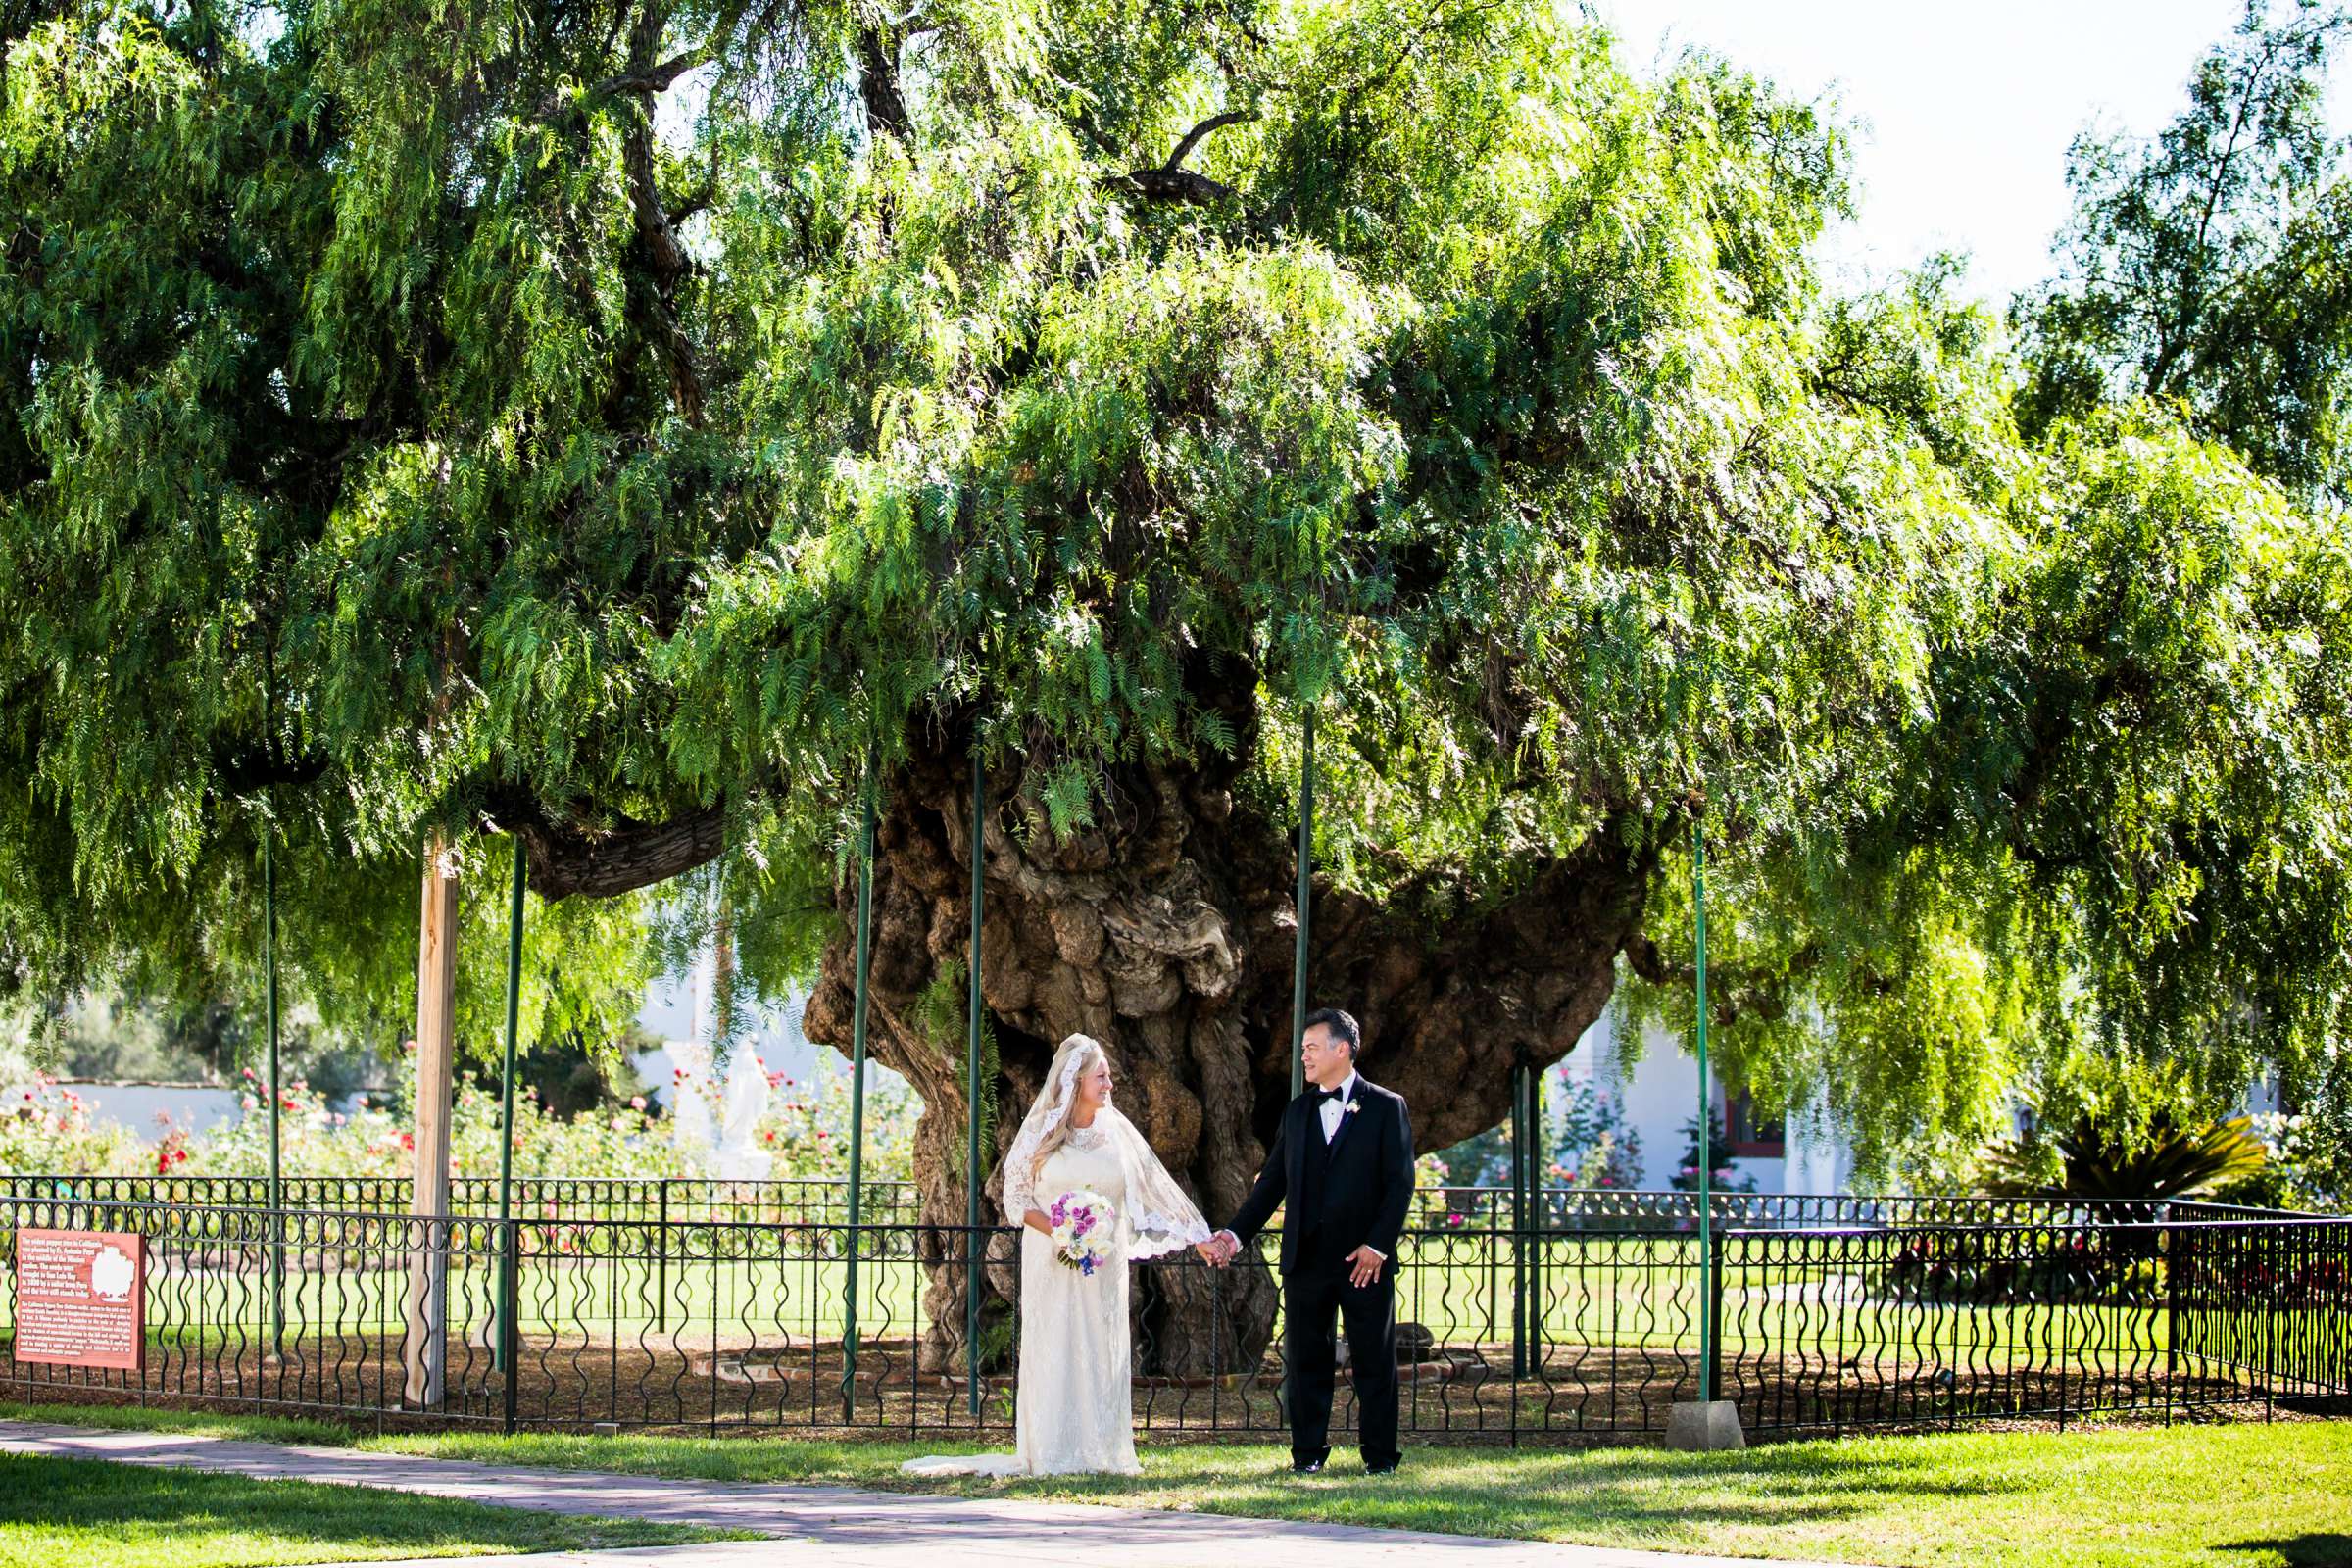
<point x="616" y="421"/>
<point x="2206" y="267"/>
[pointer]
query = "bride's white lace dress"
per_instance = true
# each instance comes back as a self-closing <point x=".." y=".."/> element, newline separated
<point x="1073" y="1409"/>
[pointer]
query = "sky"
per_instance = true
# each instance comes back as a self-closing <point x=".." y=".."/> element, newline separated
<point x="1962" y="120"/>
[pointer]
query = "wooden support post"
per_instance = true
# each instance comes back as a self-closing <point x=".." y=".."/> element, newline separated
<point x="424" y="1346"/>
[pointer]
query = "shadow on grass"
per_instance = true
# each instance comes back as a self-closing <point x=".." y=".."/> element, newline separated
<point x="2319" y="1550"/>
<point x="1646" y="1495"/>
<point x="193" y="1423"/>
<point x="63" y="1509"/>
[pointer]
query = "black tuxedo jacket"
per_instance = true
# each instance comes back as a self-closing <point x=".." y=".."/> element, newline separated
<point x="1367" y="1183"/>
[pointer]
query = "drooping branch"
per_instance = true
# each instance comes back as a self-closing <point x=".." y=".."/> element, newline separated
<point x="1192" y="137"/>
<point x="1733" y="990"/>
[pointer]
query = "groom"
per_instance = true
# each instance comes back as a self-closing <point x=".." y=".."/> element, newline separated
<point x="1342" y="1170"/>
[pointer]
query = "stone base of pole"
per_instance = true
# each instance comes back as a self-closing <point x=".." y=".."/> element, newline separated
<point x="1702" y="1425"/>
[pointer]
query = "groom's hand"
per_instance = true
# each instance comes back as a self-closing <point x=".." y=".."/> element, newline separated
<point x="1225" y="1244"/>
<point x="1363" y="1267"/>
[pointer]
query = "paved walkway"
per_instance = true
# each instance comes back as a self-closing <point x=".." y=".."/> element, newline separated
<point x="836" y="1527"/>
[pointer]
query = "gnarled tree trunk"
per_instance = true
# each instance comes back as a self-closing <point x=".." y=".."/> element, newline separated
<point x="1166" y="933"/>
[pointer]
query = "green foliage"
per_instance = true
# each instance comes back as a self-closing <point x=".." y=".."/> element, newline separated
<point x="2099" y="1161"/>
<point x="1591" y="1144"/>
<point x="414" y="420"/>
<point x="1722" y="1177"/>
<point x="2309" y="1165"/>
<point x="2206" y="268"/>
<point x="943" y="1010"/>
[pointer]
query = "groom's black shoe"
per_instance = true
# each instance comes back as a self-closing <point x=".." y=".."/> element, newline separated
<point x="1387" y="1469"/>
<point x="1306" y="1467"/>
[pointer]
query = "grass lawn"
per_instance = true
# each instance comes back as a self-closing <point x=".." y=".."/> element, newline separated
<point x="98" y="1514"/>
<point x="2220" y="1496"/>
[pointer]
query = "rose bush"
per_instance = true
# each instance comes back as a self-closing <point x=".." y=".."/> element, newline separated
<point x="46" y="1129"/>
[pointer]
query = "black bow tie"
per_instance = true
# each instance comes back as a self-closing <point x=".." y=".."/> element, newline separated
<point x="1322" y="1094"/>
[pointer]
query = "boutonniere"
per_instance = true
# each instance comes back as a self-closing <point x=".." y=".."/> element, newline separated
<point x="1352" y="1107"/>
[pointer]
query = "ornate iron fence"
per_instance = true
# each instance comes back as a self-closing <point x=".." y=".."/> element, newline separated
<point x="803" y="1200"/>
<point x="782" y="1200"/>
<point x="611" y="1315"/>
<point x="1943" y="1323"/>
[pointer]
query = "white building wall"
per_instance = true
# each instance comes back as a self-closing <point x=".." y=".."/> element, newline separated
<point x="1657" y="1087"/>
<point x="680" y="1006"/>
<point x="190" y="1107"/>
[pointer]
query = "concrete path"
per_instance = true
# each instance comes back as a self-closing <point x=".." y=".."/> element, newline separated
<point x="836" y="1527"/>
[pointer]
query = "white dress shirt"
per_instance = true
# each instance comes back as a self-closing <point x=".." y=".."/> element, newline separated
<point x="1335" y="1109"/>
<point x="1331" y="1111"/>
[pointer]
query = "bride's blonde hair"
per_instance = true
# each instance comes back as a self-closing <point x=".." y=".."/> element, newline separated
<point x="1076" y="1058"/>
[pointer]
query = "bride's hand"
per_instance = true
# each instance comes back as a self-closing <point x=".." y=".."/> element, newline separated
<point x="1210" y="1252"/>
<point x="1036" y="1219"/>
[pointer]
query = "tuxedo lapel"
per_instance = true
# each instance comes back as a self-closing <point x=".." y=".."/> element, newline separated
<point x="1347" y="1121"/>
<point x="1307" y="1139"/>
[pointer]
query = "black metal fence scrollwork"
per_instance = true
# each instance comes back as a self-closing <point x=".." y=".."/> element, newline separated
<point x="717" y="1306"/>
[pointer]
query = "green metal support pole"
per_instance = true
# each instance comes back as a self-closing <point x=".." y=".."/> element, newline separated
<point x="1707" y="1283"/>
<point x="865" y="959"/>
<point x="1305" y="902"/>
<point x="506" y="1341"/>
<point x="1519" y="1220"/>
<point x="1532" y="1107"/>
<point x="971" y="1101"/>
<point x="1306" y="867"/>
<point x="277" y="1188"/>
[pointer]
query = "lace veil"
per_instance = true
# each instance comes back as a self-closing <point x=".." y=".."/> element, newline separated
<point x="1159" y="1217"/>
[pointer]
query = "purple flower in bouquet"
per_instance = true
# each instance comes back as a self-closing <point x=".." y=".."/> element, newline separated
<point x="1082" y="1227"/>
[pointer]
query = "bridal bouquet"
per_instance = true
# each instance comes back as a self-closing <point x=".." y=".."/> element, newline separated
<point x="1082" y="1226"/>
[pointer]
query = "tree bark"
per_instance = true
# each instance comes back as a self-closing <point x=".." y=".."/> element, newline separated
<point x="562" y="860"/>
<point x="1166" y="933"/>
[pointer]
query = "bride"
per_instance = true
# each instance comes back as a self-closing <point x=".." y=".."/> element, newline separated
<point x="1073" y="1410"/>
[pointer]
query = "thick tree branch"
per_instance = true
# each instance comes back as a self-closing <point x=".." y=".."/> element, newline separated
<point x="251" y="770"/>
<point x="1192" y="137"/>
<point x="665" y="258"/>
<point x="648" y="83"/>
<point x="565" y="861"/>
<point x="878" y="85"/>
<point x="1172" y="181"/>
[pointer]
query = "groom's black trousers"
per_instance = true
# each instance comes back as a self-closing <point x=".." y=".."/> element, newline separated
<point x="1315" y="1292"/>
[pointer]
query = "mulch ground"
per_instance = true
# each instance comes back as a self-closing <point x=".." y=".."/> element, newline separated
<point x="1575" y="1394"/>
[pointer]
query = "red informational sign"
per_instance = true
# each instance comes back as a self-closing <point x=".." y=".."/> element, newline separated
<point x="81" y="1298"/>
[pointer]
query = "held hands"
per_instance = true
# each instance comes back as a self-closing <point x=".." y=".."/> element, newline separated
<point x="1364" y="1264"/>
